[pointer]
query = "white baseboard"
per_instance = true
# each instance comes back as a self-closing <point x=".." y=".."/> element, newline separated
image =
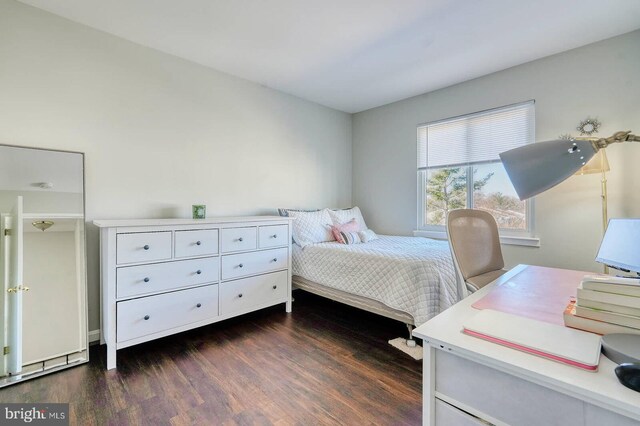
<point x="94" y="336"/>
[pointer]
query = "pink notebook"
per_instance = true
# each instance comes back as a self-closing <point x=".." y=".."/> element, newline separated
<point x="537" y="292"/>
<point x="558" y="343"/>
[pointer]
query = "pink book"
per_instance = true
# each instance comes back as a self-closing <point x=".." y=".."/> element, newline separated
<point x="555" y="342"/>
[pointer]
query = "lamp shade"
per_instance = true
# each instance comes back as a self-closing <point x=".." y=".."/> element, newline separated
<point x="537" y="167"/>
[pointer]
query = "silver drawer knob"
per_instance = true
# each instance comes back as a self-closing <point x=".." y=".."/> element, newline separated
<point x="198" y="243"/>
<point x="146" y="279"/>
<point x="146" y="317"/>
<point x="275" y="286"/>
<point x="199" y="305"/>
<point x="198" y="272"/>
<point x="240" y="295"/>
<point x="146" y="247"/>
<point x="274" y="236"/>
<point x="275" y="259"/>
<point x="240" y="239"/>
<point x="240" y="265"/>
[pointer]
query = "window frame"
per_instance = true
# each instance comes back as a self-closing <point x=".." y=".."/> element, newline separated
<point x="524" y="237"/>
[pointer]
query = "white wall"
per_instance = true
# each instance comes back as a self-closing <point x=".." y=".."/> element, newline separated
<point x="161" y="133"/>
<point x="600" y="80"/>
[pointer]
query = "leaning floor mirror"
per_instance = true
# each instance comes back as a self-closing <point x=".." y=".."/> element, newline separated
<point x="43" y="298"/>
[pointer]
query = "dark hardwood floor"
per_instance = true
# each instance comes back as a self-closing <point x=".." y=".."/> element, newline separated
<point x="326" y="363"/>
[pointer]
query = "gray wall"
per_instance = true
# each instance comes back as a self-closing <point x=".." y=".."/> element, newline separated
<point x="161" y="133"/>
<point x="600" y="80"/>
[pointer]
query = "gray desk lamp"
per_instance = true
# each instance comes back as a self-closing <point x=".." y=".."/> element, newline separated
<point x="536" y="167"/>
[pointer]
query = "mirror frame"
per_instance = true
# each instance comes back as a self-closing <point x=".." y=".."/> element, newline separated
<point x="11" y="380"/>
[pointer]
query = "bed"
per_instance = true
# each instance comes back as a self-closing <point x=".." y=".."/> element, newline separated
<point x="409" y="279"/>
<point x="335" y="255"/>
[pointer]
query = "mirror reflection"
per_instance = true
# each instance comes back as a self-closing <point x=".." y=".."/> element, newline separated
<point x="42" y="262"/>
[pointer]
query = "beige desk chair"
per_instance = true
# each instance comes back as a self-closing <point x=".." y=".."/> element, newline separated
<point x="475" y="245"/>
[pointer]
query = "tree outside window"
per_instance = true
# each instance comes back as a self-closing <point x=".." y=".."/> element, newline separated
<point x="449" y="188"/>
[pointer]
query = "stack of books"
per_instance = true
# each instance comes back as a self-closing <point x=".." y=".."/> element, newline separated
<point x="605" y="305"/>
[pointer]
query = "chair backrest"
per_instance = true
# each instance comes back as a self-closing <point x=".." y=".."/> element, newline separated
<point x="475" y="242"/>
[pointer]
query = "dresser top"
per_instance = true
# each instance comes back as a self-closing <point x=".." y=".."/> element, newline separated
<point x="118" y="223"/>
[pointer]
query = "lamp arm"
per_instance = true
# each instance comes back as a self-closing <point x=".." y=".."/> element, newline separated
<point x="625" y="136"/>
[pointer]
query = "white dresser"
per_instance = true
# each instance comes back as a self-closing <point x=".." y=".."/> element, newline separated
<point x="164" y="276"/>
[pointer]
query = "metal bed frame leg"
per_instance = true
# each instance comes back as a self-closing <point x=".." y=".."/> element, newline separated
<point x="410" y="342"/>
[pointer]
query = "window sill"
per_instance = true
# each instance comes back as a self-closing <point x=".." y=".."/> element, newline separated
<point x="511" y="240"/>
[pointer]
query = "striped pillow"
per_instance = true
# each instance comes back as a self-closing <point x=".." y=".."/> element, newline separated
<point x="350" y="237"/>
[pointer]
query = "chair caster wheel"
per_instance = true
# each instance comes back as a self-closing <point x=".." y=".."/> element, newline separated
<point x="411" y="343"/>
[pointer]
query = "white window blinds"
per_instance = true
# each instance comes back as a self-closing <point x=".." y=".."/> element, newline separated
<point x="475" y="138"/>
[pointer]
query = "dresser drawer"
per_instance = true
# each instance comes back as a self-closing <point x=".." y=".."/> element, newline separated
<point x="143" y="247"/>
<point x="148" y="315"/>
<point x="201" y="242"/>
<point x="243" y="294"/>
<point x="238" y="239"/>
<point x="145" y="279"/>
<point x="273" y="236"/>
<point x="240" y="265"/>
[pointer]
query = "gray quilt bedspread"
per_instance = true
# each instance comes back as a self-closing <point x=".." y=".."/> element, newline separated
<point x="411" y="274"/>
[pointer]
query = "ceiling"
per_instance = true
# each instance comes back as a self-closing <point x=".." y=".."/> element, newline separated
<point x="356" y="54"/>
<point x="24" y="169"/>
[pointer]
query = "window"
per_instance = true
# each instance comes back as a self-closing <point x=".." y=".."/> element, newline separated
<point x="459" y="167"/>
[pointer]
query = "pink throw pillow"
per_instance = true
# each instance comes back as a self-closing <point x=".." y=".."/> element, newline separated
<point x="351" y="226"/>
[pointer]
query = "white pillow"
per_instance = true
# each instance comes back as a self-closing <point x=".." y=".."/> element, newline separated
<point x="311" y="227"/>
<point x="343" y="216"/>
<point x="367" y="235"/>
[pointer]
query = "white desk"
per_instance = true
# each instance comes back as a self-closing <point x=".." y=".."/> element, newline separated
<point x="467" y="379"/>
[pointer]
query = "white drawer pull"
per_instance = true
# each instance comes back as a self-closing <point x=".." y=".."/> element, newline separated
<point x="146" y="247"/>
<point x="146" y="279"/>
<point x="146" y="317"/>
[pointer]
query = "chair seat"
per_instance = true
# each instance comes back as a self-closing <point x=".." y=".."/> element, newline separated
<point x="481" y="280"/>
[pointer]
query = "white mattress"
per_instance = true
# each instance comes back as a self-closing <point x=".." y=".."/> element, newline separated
<point x="411" y="274"/>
